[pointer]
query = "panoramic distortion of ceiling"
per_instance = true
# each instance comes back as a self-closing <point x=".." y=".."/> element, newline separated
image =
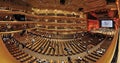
<point x="70" y="5"/>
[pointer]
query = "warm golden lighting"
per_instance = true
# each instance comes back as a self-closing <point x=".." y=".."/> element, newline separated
<point x="55" y="11"/>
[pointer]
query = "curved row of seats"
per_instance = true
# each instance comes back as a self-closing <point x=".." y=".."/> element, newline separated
<point x="61" y="48"/>
<point x="19" y="54"/>
<point x="22" y="56"/>
<point x="57" y="35"/>
<point x="97" y="54"/>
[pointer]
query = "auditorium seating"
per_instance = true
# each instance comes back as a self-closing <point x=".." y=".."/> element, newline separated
<point x="97" y="54"/>
<point x="60" y="20"/>
<point x="14" y="27"/>
<point x="40" y="14"/>
<point x="19" y="54"/>
<point x="56" y="47"/>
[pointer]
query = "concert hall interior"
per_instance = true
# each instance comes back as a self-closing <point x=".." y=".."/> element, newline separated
<point x="59" y="31"/>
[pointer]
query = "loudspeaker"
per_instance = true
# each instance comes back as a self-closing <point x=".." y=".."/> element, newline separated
<point x="62" y="2"/>
<point x="19" y="17"/>
<point x="80" y="9"/>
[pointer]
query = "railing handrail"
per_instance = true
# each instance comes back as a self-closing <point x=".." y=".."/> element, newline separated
<point x="107" y="57"/>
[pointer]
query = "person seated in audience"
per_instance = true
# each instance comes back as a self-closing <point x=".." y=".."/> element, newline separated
<point x="84" y="41"/>
<point x="80" y="58"/>
<point x="80" y="39"/>
<point x="49" y="36"/>
<point x="42" y="35"/>
<point x="87" y="51"/>
<point x="50" y="47"/>
<point x="85" y="46"/>
<point x="90" y="46"/>
<point x="56" y="45"/>
<point x="41" y="48"/>
<point x="22" y="45"/>
<point x="62" y="62"/>
<point x="9" y="42"/>
<point x="5" y="39"/>
<point x="69" y="59"/>
<point x="74" y="37"/>
<point x="78" y="44"/>
<point x="67" y="49"/>
<point x="82" y="35"/>
<point x="45" y="62"/>
<point x="17" y="44"/>
<point x="99" y="52"/>
<point x="103" y="50"/>
<point x="89" y="40"/>
<point x="53" y="49"/>
<point x="110" y="38"/>
<point x="99" y="40"/>
<point x="33" y="40"/>
<point x="38" y="61"/>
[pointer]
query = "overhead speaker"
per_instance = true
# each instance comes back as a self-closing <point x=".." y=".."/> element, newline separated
<point x="19" y="17"/>
<point x="80" y="9"/>
<point x="89" y="16"/>
<point x="110" y="1"/>
<point x="62" y="2"/>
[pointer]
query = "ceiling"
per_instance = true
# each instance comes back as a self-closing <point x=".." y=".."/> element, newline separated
<point x="69" y="5"/>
